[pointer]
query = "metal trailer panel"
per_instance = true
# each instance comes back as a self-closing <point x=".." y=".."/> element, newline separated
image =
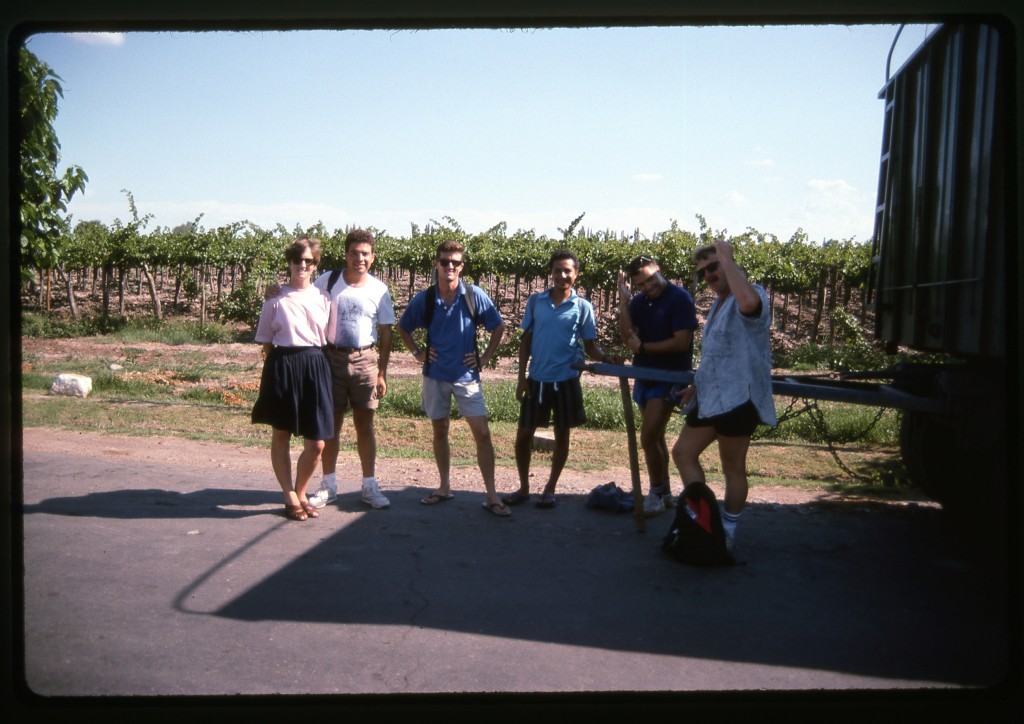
<point x="939" y="273"/>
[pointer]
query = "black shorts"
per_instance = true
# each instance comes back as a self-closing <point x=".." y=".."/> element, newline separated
<point x="738" y="422"/>
<point x="295" y="393"/>
<point x="562" y="399"/>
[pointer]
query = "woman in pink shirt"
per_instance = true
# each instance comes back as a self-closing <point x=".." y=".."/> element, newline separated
<point x="295" y="388"/>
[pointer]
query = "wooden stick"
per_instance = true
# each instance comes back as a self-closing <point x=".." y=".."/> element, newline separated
<point x="634" y="457"/>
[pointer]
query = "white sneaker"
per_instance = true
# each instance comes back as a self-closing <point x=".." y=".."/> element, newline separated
<point x="322" y="497"/>
<point x="374" y="498"/>
<point x="654" y="504"/>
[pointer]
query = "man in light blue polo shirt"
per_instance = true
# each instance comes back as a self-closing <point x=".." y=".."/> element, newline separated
<point x="558" y="327"/>
<point x="450" y="311"/>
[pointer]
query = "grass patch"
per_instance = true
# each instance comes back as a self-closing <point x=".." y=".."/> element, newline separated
<point x="604" y="405"/>
<point x="837" y="422"/>
<point x="132" y="329"/>
<point x="183" y="332"/>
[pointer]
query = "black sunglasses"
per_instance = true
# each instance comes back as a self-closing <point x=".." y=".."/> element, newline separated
<point x="449" y="262"/>
<point x="712" y="267"/>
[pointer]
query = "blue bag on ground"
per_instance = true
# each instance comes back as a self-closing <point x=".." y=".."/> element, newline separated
<point x="610" y="497"/>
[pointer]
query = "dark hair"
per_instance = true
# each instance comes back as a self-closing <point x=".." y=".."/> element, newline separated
<point x="358" y="236"/>
<point x="450" y="246"/>
<point x="301" y="244"/>
<point x="563" y="254"/>
<point x="703" y="252"/>
<point x="639" y="263"/>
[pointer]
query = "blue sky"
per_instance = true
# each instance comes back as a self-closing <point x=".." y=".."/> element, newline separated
<point x="775" y="128"/>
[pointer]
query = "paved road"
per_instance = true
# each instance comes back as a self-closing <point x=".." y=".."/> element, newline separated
<point x="147" y="580"/>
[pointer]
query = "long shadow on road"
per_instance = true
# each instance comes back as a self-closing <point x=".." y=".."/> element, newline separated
<point x="874" y="591"/>
<point x="871" y="593"/>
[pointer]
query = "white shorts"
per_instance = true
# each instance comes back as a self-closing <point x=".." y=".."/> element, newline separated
<point x="437" y="398"/>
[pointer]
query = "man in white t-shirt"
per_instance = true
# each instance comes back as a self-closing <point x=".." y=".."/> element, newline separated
<point x="358" y="348"/>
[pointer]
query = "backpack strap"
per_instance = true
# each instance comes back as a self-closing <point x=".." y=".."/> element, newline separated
<point x="428" y="315"/>
<point x="333" y="279"/>
<point x="470" y="301"/>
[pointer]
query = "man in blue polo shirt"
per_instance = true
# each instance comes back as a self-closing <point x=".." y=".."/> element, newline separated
<point x="557" y="327"/>
<point x="450" y="311"/>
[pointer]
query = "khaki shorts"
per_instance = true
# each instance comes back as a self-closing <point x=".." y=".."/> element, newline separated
<point x="437" y="398"/>
<point x="353" y="378"/>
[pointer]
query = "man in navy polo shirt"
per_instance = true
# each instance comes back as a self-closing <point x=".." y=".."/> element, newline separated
<point x="657" y="323"/>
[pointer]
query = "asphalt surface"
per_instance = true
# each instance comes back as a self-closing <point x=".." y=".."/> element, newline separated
<point x="142" y="580"/>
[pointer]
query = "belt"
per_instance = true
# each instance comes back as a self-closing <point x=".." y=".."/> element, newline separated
<point x="349" y="350"/>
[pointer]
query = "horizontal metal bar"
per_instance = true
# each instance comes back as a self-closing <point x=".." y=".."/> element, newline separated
<point x="922" y="285"/>
<point x="859" y="394"/>
<point x="643" y="373"/>
<point x="783" y="386"/>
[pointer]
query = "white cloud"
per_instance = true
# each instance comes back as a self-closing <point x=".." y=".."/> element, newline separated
<point x="648" y="177"/>
<point x="112" y="39"/>
<point x="835" y="209"/>
<point x="831" y="186"/>
<point x="765" y="162"/>
<point x="736" y="198"/>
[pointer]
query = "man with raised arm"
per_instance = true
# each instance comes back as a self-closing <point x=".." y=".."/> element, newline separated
<point x="733" y="384"/>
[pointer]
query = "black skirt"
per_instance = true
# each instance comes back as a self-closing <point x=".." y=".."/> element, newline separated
<point x="295" y="393"/>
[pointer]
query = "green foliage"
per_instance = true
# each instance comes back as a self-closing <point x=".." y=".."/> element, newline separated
<point x="243" y="304"/>
<point x="853" y="350"/>
<point x="43" y="195"/>
<point x="510" y="345"/>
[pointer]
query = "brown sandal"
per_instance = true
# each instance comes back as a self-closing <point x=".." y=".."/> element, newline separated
<point x="295" y="512"/>
<point x="309" y="509"/>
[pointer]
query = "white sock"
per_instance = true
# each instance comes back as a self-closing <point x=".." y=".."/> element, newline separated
<point x="328" y="482"/>
<point x="729" y="521"/>
<point x="369" y="482"/>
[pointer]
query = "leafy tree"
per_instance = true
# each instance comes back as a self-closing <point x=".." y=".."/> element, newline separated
<point x="42" y="193"/>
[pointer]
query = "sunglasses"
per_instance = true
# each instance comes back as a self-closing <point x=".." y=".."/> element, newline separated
<point x="305" y="262"/>
<point x="449" y="262"/>
<point x="701" y="271"/>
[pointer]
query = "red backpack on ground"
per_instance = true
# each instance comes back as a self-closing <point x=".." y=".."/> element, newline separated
<point x="697" y="536"/>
